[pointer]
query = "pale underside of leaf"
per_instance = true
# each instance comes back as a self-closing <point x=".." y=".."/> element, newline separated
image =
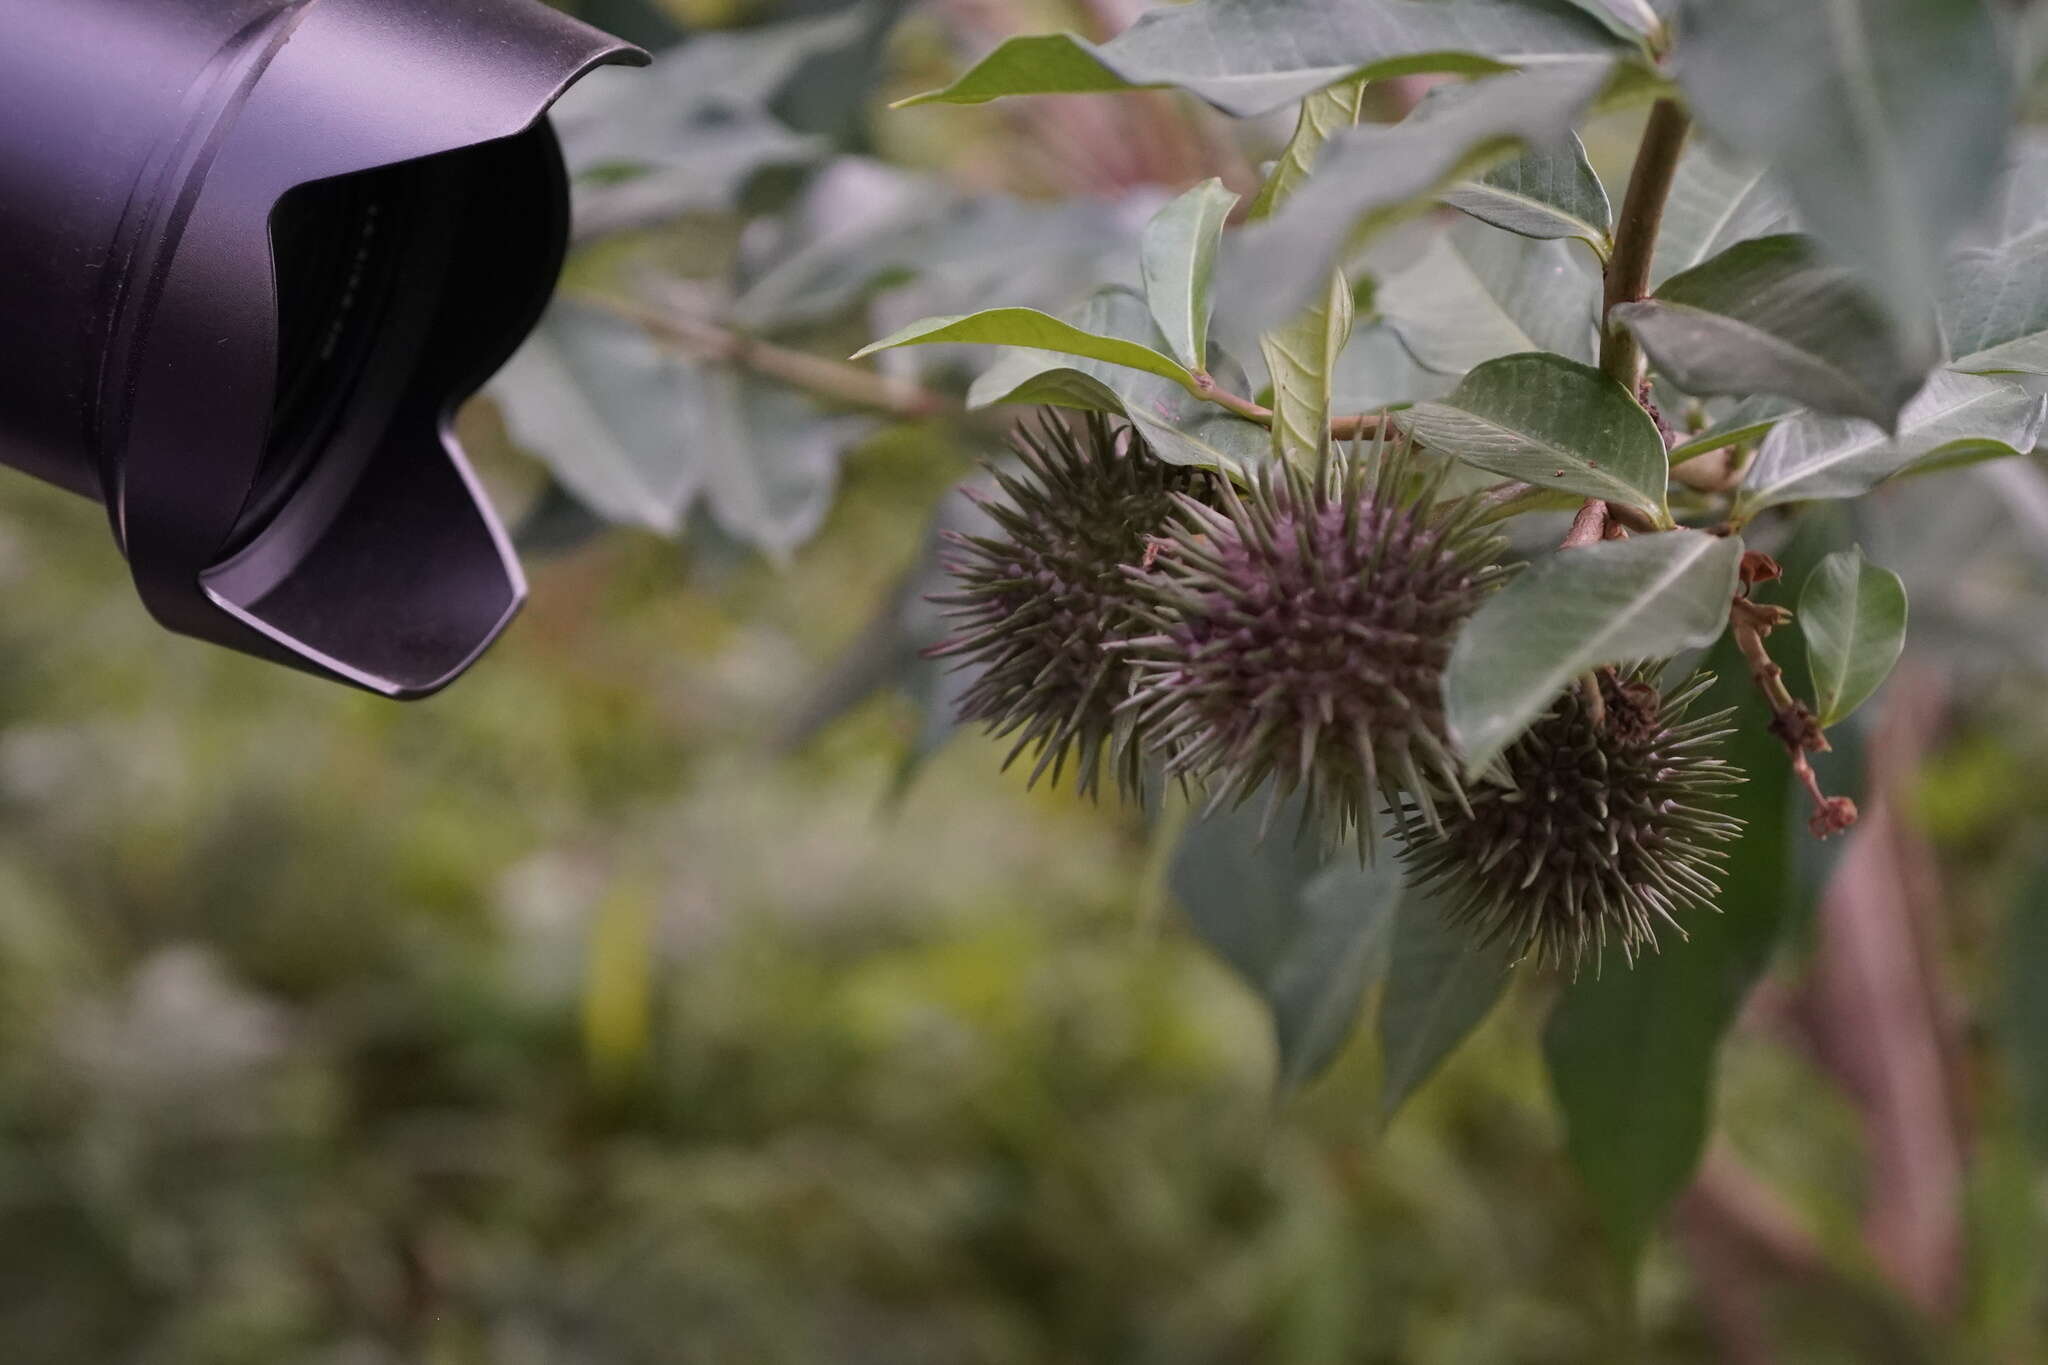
<point x="1809" y="456"/>
<point x="1250" y="57"/>
<point x="1716" y="201"/>
<point x="1547" y="194"/>
<point x="1179" y="264"/>
<point x="1470" y="295"/>
<point x="1854" y="102"/>
<point x="1373" y="177"/>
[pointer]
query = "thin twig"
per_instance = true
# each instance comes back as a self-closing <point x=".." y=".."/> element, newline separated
<point x="823" y="376"/>
<point x="1589" y="527"/>
<point x="1341" y="428"/>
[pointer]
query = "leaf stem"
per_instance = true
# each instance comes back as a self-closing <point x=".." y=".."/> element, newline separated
<point x="1792" y="724"/>
<point x="822" y="376"/>
<point x="1627" y="272"/>
<point x="1341" y="428"/>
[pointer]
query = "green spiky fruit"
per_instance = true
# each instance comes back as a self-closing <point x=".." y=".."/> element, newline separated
<point x="1040" y="600"/>
<point x="1297" y="637"/>
<point x="1608" y="831"/>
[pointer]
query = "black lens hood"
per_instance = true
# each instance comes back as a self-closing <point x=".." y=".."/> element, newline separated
<point x="253" y="256"/>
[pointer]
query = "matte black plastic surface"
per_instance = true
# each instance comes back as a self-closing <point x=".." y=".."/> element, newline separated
<point x="253" y="254"/>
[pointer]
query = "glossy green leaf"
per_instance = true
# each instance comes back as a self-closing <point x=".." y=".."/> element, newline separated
<point x="1250" y="57"/>
<point x="1440" y="985"/>
<point x="1549" y="194"/>
<point x="1308" y="934"/>
<point x="1553" y="423"/>
<point x="1853" y="616"/>
<point x="1809" y="456"/>
<point x="1179" y="259"/>
<point x="1039" y="331"/>
<point x="1470" y="295"/>
<point x="1180" y="428"/>
<point x="1770" y="315"/>
<point x="1620" y="601"/>
<point x="1372" y="177"/>
<point x="1716" y="201"/>
<point x="1855" y="102"/>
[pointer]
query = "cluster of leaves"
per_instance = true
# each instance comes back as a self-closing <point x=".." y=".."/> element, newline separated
<point x="1825" y="276"/>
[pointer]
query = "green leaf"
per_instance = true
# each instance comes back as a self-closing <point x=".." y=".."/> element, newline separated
<point x="639" y="436"/>
<point x="607" y="409"/>
<point x="1853" y="615"/>
<point x="2025" y="1013"/>
<point x="1181" y="428"/>
<point x="1648" y="597"/>
<point x="1250" y="57"/>
<point x="1440" y="985"/>
<point x="1994" y="300"/>
<point x="1323" y="115"/>
<point x="1548" y="194"/>
<point x="1376" y="371"/>
<point x="1302" y="358"/>
<point x="1470" y="295"/>
<point x="1308" y="934"/>
<point x="1039" y="331"/>
<point x="1631" y="1052"/>
<point x="1854" y="102"/>
<point x="1179" y="259"/>
<point x="1372" y="177"/>
<point x="959" y="250"/>
<point x="770" y="458"/>
<point x="1808" y="456"/>
<point x="1771" y="316"/>
<point x="1553" y="423"/>
<point x="1715" y="202"/>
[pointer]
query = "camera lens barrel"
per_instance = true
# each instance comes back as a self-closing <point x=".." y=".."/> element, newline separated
<point x="253" y="255"/>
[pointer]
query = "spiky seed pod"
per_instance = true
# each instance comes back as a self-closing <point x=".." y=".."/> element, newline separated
<point x="1608" y="831"/>
<point x="1298" y="635"/>
<point x="1039" y="600"/>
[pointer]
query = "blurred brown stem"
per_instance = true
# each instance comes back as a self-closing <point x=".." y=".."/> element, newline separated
<point x="836" y="380"/>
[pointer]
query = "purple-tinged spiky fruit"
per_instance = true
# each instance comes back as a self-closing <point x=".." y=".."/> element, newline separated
<point x="1039" y="600"/>
<point x="1297" y="637"/>
<point x="1608" y="831"/>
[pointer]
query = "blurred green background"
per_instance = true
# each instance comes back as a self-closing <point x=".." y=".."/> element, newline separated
<point x="585" y="1015"/>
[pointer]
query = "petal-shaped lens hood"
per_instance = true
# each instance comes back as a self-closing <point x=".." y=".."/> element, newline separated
<point x="253" y="255"/>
